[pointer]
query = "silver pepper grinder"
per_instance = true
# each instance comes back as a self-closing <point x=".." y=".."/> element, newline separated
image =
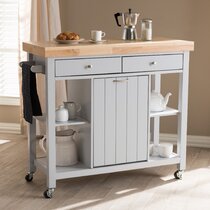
<point x="146" y="29"/>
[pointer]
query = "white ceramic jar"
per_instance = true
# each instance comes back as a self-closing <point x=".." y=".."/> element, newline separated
<point x="66" y="148"/>
<point x="61" y="114"/>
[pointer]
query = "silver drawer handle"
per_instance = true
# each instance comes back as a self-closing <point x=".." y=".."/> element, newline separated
<point x="89" y="66"/>
<point x="123" y="80"/>
<point x="153" y="63"/>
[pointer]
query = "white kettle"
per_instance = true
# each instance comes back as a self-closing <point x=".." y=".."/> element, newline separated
<point x="158" y="103"/>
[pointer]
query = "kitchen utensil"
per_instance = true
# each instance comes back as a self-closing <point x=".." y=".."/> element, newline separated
<point x="146" y="29"/>
<point x="73" y="109"/>
<point x="61" y="114"/>
<point x="165" y="150"/>
<point x="129" y="21"/>
<point x="66" y="150"/>
<point x="158" y="102"/>
<point x="97" y="36"/>
<point x="98" y="42"/>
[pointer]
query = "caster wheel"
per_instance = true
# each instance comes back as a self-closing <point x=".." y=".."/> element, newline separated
<point x="29" y="177"/>
<point x="178" y="174"/>
<point x="48" y="193"/>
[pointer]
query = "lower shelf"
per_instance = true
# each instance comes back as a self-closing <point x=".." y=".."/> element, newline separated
<point x="158" y="158"/>
<point x="80" y="169"/>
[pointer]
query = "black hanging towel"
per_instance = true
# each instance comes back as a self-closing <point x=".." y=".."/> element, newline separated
<point x="31" y="104"/>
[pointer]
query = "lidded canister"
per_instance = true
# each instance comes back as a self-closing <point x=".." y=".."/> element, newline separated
<point x="146" y="29"/>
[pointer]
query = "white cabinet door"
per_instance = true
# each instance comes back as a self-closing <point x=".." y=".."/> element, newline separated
<point x="120" y="118"/>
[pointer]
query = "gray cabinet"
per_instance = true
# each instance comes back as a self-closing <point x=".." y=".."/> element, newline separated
<point x="120" y="106"/>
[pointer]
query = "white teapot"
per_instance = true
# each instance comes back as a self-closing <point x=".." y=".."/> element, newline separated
<point x="158" y="102"/>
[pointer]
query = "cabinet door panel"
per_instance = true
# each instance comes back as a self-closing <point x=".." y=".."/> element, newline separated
<point x="121" y="102"/>
<point x="110" y="106"/>
<point x="120" y="120"/>
<point x="132" y="118"/>
<point x="142" y="117"/>
<point x="98" y="106"/>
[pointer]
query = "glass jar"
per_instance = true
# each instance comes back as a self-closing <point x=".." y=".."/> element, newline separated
<point x="146" y="29"/>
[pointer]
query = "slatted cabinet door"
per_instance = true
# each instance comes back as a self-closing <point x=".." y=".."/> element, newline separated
<point x="98" y="123"/>
<point x="120" y="120"/>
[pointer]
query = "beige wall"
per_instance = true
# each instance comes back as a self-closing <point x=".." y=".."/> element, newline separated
<point x="181" y="19"/>
<point x="9" y="114"/>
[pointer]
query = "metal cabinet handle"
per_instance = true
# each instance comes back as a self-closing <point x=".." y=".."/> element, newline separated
<point x="89" y="66"/>
<point x="153" y="63"/>
<point x="122" y="80"/>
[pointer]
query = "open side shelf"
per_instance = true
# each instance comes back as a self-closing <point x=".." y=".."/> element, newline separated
<point x="168" y="112"/>
<point x="80" y="169"/>
<point x="157" y="158"/>
<point x="61" y="171"/>
<point x="77" y="121"/>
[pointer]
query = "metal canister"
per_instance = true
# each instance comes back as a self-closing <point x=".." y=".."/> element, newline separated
<point x="146" y="29"/>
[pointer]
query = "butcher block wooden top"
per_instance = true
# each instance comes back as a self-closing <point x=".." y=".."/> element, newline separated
<point x="110" y="47"/>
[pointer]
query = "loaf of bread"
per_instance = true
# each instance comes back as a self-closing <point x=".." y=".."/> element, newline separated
<point x="68" y="36"/>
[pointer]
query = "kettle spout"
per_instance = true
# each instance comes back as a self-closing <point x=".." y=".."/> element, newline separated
<point x="165" y="102"/>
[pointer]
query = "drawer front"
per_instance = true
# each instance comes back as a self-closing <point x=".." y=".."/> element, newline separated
<point x="152" y="63"/>
<point x="85" y="66"/>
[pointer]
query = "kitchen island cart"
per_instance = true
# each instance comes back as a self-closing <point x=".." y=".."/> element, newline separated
<point x="113" y="82"/>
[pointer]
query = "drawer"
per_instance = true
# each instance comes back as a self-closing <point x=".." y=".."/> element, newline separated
<point x="87" y="66"/>
<point x="152" y="63"/>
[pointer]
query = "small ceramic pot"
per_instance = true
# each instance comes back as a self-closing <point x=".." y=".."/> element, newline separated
<point x="61" y="114"/>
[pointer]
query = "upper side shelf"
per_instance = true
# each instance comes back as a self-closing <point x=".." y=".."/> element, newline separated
<point x="77" y="121"/>
<point x="168" y="112"/>
<point x="111" y="47"/>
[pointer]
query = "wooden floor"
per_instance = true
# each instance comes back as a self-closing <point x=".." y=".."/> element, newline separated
<point x="150" y="189"/>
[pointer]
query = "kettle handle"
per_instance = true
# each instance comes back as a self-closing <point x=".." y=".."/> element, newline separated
<point x="116" y="18"/>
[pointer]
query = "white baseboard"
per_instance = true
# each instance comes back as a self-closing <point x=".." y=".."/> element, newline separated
<point x="194" y="141"/>
<point x="13" y="128"/>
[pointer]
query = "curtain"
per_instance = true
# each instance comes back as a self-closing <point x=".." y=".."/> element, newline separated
<point x="45" y="25"/>
<point x="24" y="14"/>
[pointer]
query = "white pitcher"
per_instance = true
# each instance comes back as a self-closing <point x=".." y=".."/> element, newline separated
<point x="73" y="109"/>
